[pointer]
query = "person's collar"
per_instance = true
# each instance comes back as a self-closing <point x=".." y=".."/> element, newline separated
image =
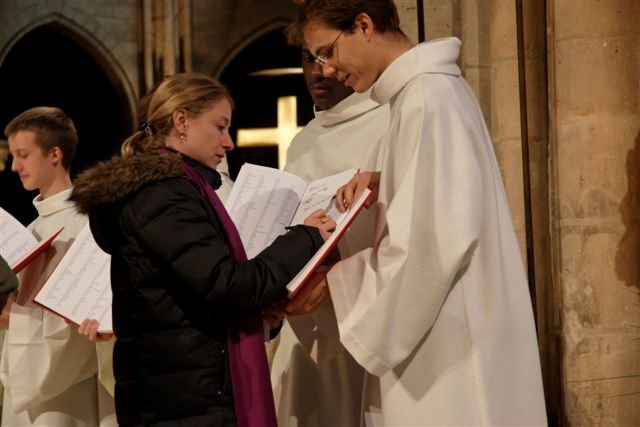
<point x="437" y="56"/>
<point x="211" y="175"/>
<point x="350" y="107"/>
<point x="54" y="203"/>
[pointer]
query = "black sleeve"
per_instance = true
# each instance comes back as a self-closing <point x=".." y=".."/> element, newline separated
<point x="179" y="234"/>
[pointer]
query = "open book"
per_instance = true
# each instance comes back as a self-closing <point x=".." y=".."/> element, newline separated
<point x="17" y="245"/>
<point x="80" y="286"/>
<point x="264" y="201"/>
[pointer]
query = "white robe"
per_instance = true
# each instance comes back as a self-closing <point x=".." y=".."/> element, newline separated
<point x="326" y="389"/>
<point x="438" y="312"/>
<point x="48" y="370"/>
<point x="227" y="183"/>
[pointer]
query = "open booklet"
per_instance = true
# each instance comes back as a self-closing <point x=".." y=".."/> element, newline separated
<point x="17" y="245"/>
<point x="80" y="286"/>
<point x="264" y="201"/>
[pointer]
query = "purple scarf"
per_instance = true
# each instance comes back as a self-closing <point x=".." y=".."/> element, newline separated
<point x="252" y="394"/>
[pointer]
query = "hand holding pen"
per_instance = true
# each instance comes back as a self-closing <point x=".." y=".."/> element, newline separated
<point x="325" y="224"/>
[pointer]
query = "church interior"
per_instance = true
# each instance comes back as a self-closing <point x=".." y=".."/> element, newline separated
<point x="559" y="85"/>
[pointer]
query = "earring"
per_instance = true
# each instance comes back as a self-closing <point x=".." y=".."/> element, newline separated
<point x="182" y="137"/>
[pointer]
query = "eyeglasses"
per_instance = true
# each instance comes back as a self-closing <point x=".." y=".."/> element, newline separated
<point x="307" y="57"/>
<point x="323" y="59"/>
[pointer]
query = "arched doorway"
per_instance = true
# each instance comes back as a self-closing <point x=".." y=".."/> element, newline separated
<point x="47" y="67"/>
<point x="256" y="93"/>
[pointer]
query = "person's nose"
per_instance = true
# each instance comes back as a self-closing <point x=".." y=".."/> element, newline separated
<point x="329" y="70"/>
<point x="317" y="70"/>
<point x="228" y="144"/>
<point x="15" y="165"/>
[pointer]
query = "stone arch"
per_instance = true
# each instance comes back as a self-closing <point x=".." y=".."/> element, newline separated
<point x="246" y="41"/>
<point x="95" y="46"/>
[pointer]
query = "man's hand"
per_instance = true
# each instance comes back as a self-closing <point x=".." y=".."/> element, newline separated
<point x="312" y="294"/>
<point x="352" y="190"/>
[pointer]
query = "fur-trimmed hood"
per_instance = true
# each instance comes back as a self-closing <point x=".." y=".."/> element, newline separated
<point x="113" y="180"/>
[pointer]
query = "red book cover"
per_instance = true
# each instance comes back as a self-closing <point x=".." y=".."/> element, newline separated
<point x="33" y="253"/>
<point x="316" y="261"/>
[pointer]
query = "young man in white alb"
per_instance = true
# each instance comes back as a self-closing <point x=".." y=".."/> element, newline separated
<point x="48" y="370"/>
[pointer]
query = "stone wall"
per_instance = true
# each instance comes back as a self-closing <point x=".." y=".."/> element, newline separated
<point x="595" y="154"/>
<point x="113" y="31"/>
<point x="222" y="28"/>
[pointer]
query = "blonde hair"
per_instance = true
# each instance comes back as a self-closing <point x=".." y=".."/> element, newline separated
<point x="194" y="93"/>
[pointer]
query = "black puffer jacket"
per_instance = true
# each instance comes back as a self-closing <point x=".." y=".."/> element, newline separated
<point x="175" y="287"/>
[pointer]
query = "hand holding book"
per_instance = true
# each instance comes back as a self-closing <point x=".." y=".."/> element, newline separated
<point x="91" y="329"/>
<point x="312" y="294"/>
<point x="324" y="223"/>
<point x="350" y="192"/>
<point x="264" y="201"/>
<point x="80" y="287"/>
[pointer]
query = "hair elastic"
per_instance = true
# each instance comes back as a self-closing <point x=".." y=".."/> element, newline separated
<point x="147" y="128"/>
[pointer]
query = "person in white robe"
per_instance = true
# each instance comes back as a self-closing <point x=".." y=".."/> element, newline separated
<point x="438" y="310"/>
<point x="309" y="359"/>
<point x="48" y="371"/>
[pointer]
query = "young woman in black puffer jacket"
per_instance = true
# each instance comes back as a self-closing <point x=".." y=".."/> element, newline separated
<point x="185" y="299"/>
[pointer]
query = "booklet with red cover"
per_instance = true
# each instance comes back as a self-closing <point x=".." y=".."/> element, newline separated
<point x="17" y="245"/>
<point x="265" y="201"/>
<point x="80" y="286"/>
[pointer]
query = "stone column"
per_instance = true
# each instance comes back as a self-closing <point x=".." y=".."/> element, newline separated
<point x="534" y="103"/>
<point x="443" y="17"/>
<point x="407" y="11"/>
<point x="594" y="63"/>
<point x="504" y="114"/>
<point x="184" y="36"/>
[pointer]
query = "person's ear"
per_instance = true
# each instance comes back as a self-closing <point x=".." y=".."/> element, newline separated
<point x="180" y="120"/>
<point x="364" y="23"/>
<point x="56" y="156"/>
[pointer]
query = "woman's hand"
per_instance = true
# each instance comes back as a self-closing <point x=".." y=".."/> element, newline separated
<point x="352" y="190"/>
<point x="322" y="222"/>
<point x="312" y="294"/>
<point x="89" y="328"/>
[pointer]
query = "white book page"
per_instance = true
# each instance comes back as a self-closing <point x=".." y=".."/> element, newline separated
<point x="80" y="286"/>
<point x="16" y="241"/>
<point x="262" y="203"/>
<point x="320" y="194"/>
